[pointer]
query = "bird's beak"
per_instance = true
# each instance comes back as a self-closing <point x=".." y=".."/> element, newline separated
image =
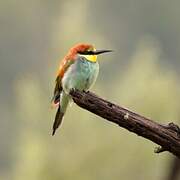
<point x="97" y="52"/>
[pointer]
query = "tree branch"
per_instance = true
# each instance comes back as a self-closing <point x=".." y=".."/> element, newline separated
<point x="167" y="136"/>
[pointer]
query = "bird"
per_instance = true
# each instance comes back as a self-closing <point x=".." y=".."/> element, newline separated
<point x="78" y="70"/>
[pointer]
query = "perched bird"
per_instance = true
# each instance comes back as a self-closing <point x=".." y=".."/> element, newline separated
<point x="78" y="70"/>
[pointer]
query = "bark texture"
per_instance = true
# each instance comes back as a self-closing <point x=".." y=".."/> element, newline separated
<point x="166" y="136"/>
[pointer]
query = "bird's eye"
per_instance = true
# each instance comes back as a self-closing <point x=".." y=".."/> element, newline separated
<point x="87" y="52"/>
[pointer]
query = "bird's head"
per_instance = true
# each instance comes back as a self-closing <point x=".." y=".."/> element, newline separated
<point x="88" y="51"/>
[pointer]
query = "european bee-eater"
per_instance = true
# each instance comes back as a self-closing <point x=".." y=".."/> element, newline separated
<point x="78" y="70"/>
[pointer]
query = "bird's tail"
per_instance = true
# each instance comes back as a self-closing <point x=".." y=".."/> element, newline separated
<point x="58" y="120"/>
<point x="64" y="101"/>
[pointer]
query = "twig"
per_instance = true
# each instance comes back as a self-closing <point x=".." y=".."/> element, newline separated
<point x="166" y="136"/>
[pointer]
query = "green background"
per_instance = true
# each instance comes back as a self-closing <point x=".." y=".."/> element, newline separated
<point x="142" y="74"/>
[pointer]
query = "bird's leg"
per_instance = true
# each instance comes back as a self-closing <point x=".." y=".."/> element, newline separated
<point x="72" y="90"/>
<point x="85" y="91"/>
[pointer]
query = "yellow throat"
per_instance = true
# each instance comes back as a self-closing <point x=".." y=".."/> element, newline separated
<point x="91" y="58"/>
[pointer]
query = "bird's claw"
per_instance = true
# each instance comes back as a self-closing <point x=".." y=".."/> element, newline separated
<point x="86" y="91"/>
<point x="73" y="90"/>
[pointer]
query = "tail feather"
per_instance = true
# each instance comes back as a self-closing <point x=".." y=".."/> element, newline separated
<point x="58" y="120"/>
<point x="63" y="104"/>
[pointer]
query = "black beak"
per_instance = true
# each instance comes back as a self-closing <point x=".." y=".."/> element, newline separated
<point x="96" y="52"/>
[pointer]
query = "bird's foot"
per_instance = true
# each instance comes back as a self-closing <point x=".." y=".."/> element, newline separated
<point x="73" y="89"/>
<point x="86" y="91"/>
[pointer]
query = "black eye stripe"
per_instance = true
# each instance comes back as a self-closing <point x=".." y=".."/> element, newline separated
<point x="87" y="53"/>
<point x="96" y="52"/>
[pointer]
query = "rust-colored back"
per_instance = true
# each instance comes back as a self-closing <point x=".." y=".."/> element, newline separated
<point x="71" y="56"/>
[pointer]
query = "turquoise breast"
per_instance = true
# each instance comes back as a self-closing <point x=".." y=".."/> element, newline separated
<point x="80" y="75"/>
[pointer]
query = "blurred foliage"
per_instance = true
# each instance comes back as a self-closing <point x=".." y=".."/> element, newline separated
<point x="85" y="147"/>
<point x="142" y="75"/>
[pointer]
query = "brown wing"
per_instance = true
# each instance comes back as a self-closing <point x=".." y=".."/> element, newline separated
<point x="57" y="91"/>
<point x="65" y="64"/>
